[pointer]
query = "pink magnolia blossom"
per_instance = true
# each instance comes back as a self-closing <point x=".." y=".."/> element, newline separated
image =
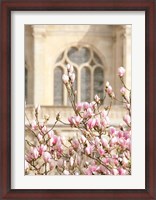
<point x="97" y="98"/>
<point x="46" y="156"/>
<point x="89" y="149"/>
<point x="75" y="143"/>
<point x="113" y="141"/>
<point x="89" y="112"/>
<point x="86" y="105"/>
<point x="51" y="164"/>
<point x="42" y="148"/>
<point x="112" y="130"/>
<point x="97" y="141"/>
<point x="34" y="125"/>
<point x="93" y="105"/>
<point x="121" y="71"/>
<point x="121" y="171"/>
<point x="79" y="106"/>
<point x="83" y="139"/>
<point x="128" y="143"/>
<point x="104" y="141"/>
<point x="115" y="171"/>
<point x="75" y="120"/>
<point x="40" y="137"/>
<point x="125" y="161"/>
<point x="104" y="113"/>
<point x="91" y="123"/>
<point x="92" y="169"/>
<point x="53" y="140"/>
<point x="50" y="133"/>
<point x="101" y="151"/>
<point x="98" y="147"/>
<point x="106" y="161"/>
<point x="122" y="142"/>
<point x="34" y="152"/>
<point x="120" y="134"/>
<point x="44" y="129"/>
<point x="78" y="120"/>
<point x="105" y="122"/>
<point x="127" y="119"/>
<point x="98" y="123"/>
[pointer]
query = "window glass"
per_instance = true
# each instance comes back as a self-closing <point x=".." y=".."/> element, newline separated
<point x="98" y="82"/>
<point x="58" y="86"/>
<point x="85" y="84"/>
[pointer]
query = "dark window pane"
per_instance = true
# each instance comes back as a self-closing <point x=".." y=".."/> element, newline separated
<point x="79" y="55"/>
<point x="85" y="84"/>
<point x="58" y="86"/>
<point x="98" y="82"/>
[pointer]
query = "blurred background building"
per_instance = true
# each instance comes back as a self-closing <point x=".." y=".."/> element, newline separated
<point x="95" y="51"/>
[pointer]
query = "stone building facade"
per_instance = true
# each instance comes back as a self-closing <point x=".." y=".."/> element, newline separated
<point x="95" y="51"/>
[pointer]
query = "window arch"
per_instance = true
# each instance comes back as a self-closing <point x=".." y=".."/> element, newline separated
<point x="89" y="71"/>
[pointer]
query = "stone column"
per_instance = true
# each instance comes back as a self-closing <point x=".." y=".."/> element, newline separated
<point x="39" y="65"/>
<point x="29" y="64"/>
<point x="127" y="52"/>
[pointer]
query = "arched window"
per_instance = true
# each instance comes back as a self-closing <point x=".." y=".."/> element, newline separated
<point x="89" y="71"/>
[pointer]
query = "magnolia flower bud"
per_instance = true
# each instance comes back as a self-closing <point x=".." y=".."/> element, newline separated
<point x="123" y="90"/>
<point x="91" y="123"/>
<point x="34" y="152"/>
<point x="72" y="77"/>
<point x="97" y="98"/>
<point x="109" y="89"/>
<point x="65" y="78"/>
<point x="37" y="108"/>
<point x="127" y="119"/>
<point x="40" y="137"/>
<point x="70" y="68"/>
<point x="121" y="71"/>
<point x="107" y="84"/>
<point x="46" y="117"/>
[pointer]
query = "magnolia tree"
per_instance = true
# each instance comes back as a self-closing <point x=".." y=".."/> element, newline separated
<point x="99" y="149"/>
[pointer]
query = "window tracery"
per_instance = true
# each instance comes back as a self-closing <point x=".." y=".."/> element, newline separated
<point x="89" y="71"/>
